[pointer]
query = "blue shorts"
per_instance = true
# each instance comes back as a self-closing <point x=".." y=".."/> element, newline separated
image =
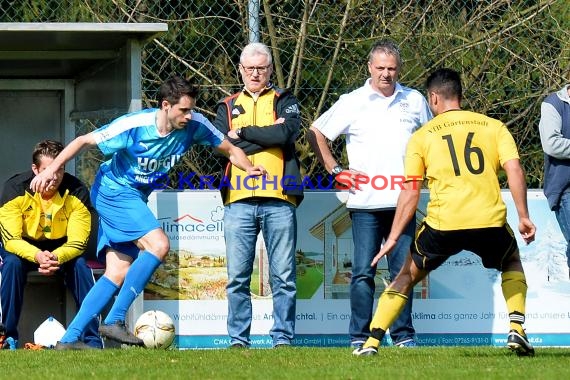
<point x="123" y="217"/>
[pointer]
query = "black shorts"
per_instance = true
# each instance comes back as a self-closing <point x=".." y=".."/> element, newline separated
<point x="493" y="245"/>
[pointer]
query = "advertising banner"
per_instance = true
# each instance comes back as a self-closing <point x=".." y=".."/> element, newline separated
<point x="460" y="303"/>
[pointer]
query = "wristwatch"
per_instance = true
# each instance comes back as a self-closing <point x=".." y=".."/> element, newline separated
<point x="336" y="170"/>
<point x="238" y="132"/>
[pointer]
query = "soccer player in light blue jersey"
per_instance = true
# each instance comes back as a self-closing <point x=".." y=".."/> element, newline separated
<point x="142" y="147"/>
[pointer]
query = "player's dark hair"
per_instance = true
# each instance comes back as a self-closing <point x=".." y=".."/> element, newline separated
<point x="446" y="83"/>
<point x="174" y="88"/>
<point x="47" y="148"/>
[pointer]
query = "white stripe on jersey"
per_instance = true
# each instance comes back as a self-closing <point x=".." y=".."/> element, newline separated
<point x="120" y="125"/>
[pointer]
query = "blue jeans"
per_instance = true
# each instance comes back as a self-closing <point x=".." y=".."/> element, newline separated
<point x="562" y="213"/>
<point x="243" y="220"/>
<point x="369" y="228"/>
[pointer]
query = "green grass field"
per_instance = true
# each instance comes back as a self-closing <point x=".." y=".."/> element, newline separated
<point x="288" y="363"/>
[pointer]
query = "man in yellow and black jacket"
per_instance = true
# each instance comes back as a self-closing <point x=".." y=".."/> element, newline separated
<point x="45" y="232"/>
<point x="265" y="122"/>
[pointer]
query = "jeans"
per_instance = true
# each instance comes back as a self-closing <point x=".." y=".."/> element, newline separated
<point x="368" y="231"/>
<point x="243" y="220"/>
<point x="562" y="213"/>
<point x="78" y="277"/>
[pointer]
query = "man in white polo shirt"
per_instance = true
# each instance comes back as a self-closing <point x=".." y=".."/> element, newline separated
<point x="377" y="120"/>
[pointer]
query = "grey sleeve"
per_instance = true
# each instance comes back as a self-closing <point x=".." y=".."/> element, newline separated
<point x="550" y="128"/>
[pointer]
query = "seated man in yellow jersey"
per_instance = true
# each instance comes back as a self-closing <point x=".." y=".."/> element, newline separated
<point x="459" y="152"/>
<point x="46" y="232"/>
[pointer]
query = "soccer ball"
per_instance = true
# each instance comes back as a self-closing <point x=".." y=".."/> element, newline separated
<point x="155" y="328"/>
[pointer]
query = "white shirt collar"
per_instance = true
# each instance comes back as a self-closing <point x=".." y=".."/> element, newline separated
<point x="397" y="89"/>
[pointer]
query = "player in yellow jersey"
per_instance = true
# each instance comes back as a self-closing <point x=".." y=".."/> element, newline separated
<point x="459" y="153"/>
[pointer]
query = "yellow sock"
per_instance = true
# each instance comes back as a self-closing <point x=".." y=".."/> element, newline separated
<point x="389" y="307"/>
<point x="372" y="342"/>
<point x="514" y="290"/>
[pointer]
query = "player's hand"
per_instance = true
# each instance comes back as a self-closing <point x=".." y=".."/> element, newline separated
<point x="388" y="246"/>
<point x="48" y="271"/>
<point x="527" y="230"/>
<point x="46" y="258"/>
<point x="256" y="171"/>
<point x="43" y="180"/>
<point x="232" y="134"/>
<point x="42" y="257"/>
<point x="48" y="263"/>
<point x="351" y="180"/>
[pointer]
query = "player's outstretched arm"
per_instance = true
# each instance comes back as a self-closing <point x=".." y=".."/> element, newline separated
<point x="239" y="159"/>
<point x="517" y="186"/>
<point x="44" y="179"/>
<point x="405" y="211"/>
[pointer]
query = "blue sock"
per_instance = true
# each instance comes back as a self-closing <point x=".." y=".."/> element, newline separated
<point x="92" y="305"/>
<point x="136" y="279"/>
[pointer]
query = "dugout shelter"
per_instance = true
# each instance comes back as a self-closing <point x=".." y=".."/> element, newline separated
<point x="54" y="76"/>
